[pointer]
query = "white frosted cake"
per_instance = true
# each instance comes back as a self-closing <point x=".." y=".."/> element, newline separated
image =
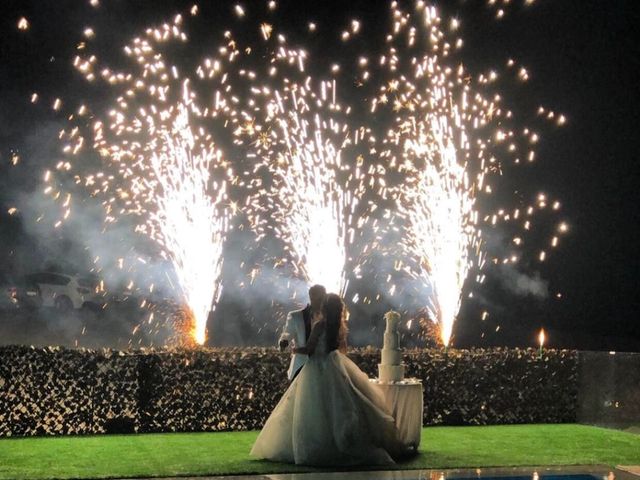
<point x="391" y="368"/>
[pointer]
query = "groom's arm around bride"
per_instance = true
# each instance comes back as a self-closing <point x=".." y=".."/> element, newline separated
<point x="298" y="328"/>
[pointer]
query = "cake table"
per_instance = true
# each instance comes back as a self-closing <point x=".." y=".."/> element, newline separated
<point x="405" y="403"/>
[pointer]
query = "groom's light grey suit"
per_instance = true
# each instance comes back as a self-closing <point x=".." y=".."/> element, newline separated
<point x="296" y="330"/>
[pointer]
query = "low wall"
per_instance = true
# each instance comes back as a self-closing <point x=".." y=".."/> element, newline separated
<point x="57" y="391"/>
<point x="609" y="389"/>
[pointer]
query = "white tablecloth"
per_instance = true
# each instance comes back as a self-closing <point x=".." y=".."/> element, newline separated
<point x="404" y="401"/>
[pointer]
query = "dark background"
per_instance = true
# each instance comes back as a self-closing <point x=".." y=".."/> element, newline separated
<point x="583" y="59"/>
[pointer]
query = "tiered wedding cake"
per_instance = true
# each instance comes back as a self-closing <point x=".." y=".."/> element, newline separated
<point x="391" y="368"/>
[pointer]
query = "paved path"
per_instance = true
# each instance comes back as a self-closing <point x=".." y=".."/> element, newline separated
<point x="635" y="469"/>
<point x="598" y="471"/>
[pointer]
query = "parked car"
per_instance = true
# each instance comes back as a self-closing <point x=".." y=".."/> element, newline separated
<point x="8" y="293"/>
<point x="66" y="292"/>
<point x="18" y="294"/>
<point x="27" y="294"/>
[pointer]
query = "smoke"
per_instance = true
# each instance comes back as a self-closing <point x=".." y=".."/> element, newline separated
<point x="259" y="287"/>
<point x="523" y="285"/>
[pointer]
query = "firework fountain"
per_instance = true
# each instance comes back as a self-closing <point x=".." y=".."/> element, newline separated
<point x="162" y="167"/>
<point x="449" y="135"/>
<point x="190" y="219"/>
<point x="314" y="193"/>
<point x="429" y="145"/>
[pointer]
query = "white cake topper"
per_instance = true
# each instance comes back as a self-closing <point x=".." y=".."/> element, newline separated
<point x="393" y="319"/>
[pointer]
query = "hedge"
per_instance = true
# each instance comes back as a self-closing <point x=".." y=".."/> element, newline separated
<point x="59" y="391"/>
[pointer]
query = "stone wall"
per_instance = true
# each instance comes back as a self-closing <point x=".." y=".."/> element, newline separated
<point x="57" y="391"/>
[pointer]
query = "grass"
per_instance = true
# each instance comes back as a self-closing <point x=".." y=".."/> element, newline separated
<point x="182" y="454"/>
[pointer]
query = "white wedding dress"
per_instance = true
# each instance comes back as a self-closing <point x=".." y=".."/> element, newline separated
<point x="330" y="415"/>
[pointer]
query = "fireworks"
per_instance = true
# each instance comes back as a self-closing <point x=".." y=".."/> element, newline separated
<point x="190" y="219"/>
<point x="450" y="134"/>
<point x="162" y="169"/>
<point x="311" y="201"/>
<point x="427" y="145"/>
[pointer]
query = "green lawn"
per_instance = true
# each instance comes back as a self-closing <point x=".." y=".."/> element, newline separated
<point x="176" y="454"/>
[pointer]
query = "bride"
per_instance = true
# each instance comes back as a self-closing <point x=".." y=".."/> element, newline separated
<point x="330" y="414"/>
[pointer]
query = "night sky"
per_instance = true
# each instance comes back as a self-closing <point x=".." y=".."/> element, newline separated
<point x="583" y="57"/>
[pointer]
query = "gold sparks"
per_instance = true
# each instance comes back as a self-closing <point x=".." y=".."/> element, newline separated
<point x="183" y="168"/>
<point x="435" y="105"/>
<point x="23" y="24"/>
<point x="523" y="74"/>
<point x="311" y="213"/>
<point x="266" y="30"/>
<point x="264" y="139"/>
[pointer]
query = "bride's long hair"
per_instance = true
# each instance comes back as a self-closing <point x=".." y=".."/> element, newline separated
<point x="336" y="316"/>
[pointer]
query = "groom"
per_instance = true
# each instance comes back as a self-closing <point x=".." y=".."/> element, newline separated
<point x="298" y="328"/>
